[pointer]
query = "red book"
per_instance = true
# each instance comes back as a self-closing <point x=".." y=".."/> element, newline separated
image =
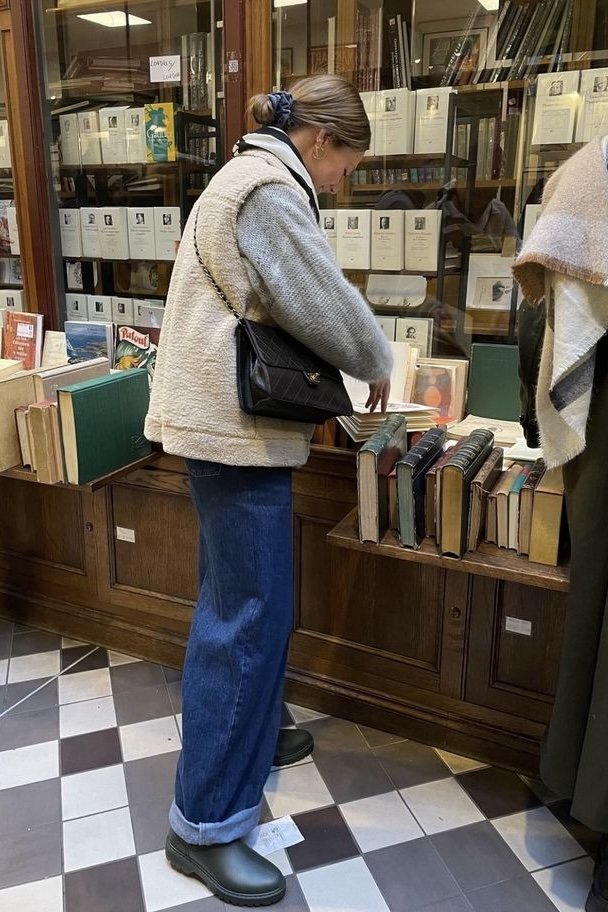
<point x="23" y="338"/>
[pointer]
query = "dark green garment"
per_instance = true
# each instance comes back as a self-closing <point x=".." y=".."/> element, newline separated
<point x="574" y="759"/>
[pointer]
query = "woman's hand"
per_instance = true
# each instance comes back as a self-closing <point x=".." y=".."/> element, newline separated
<point x="379" y="392"/>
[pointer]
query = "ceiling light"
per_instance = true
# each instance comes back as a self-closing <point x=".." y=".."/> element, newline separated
<point x="279" y="3"/>
<point x="490" y="5"/>
<point x="114" y="19"/>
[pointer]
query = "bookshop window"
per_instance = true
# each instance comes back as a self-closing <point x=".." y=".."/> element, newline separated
<point x="135" y="113"/>
<point x="473" y="106"/>
<point x="11" y="280"/>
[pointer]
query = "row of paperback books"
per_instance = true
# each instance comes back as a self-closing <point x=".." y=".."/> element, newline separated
<point x="119" y="134"/>
<point x="457" y="497"/>
<point x="121" y="232"/>
<point x="404" y="122"/>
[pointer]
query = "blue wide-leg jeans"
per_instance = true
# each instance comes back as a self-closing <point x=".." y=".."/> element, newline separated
<point x="237" y="650"/>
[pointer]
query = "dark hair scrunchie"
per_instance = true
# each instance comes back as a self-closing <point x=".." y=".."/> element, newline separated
<point x="281" y="103"/>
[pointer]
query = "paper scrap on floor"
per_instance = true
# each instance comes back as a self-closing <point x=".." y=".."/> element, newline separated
<point x="270" y="837"/>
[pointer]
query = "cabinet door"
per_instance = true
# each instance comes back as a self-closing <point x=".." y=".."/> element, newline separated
<point x="514" y="647"/>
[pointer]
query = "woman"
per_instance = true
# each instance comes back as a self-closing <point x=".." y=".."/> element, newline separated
<point x="257" y="233"/>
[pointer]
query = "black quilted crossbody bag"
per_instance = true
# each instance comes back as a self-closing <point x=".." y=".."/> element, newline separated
<point x="277" y="376"/>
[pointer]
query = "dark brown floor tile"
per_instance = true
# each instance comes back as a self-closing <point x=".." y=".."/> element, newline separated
<point x="413" y="870"/>
<point x="31" y="855"/>
<point x="453" y="904"/>
<point x="106" y="888"/>
<point x="408" y="763"/>
<point x="91" y="751"/>
<point x="25" y="628"/>
<point x="32" y="643"/>
<point x="29" y="806"/>
<point x="522" y="894"/>
<point x="6" y="627"/>
<point x="498" y="792"/>
<point x="175" y="695"/>
<point x="326" y="839"/>
<point x="151" y="779"/>
<point x="377" y="738"/>
<point x="5" y="646"/>
<point x="150" y="825"/>
<point x="172" y="674"/>
<point x="44" y="698"/>
<point x="136" y="674"/>
<point x="18" y="729"/>
<point x="98" y="658"/>
<point x="142" y="704"/>
<point x="294" y="898"/>
<point x="588" y="839"/>
<point x="477" y="856"/>
<point x="350" y="775"/>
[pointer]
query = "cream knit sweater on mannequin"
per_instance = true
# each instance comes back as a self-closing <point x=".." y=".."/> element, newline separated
<point x="194" y="410"/>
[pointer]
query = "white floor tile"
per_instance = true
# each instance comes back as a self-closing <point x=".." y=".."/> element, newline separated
<point x="98" y="839"/>
<point x="86" y="716"/>
<point x="30" y="667"/>
<point x="93" y="792"/>
<point x="29" y="764"/>
<point x="165" y="888"/>
<point x="441" y="805"/>
<point x="84" y="685"/>
<point x="117" y="658"/>
<point x="344" y="887"/>
<point x="380" y="821"/>
<point x="303" y="714"/>
<point x="67" y="642"/>
<point x="38" y="896"/>
<point x="538" y="838"/>
<point x="178" y="719"/>
<point x="280" y="859"/>
<point x="145" y="739"/>
<point x="458" y="764"/>
<point x="567" y="885"/>
<point x="3" y="671"/>
<point x="296" y="789"/>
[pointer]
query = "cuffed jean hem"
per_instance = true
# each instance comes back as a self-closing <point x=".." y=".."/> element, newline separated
<point x="234" y="827"/>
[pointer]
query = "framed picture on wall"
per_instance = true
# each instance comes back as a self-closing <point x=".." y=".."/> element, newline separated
<point x="457" y="53"/>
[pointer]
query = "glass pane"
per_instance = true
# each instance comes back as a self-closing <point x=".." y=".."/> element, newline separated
<point x="12" y="297"/>
<point x="134" y="99"/>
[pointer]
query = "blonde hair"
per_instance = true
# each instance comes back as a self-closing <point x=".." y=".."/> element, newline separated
<point x="327" y="102"/>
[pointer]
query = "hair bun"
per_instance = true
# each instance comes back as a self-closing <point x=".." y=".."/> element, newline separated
<point x="262" y="110"/>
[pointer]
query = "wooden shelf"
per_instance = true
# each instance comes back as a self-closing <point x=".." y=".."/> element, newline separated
<point x="487" y="561"/>
<point x="20" y="473"/>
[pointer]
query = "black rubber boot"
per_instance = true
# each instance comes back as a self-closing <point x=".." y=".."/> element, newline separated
<point x="597" y="901"/>
<point x="293" y="744"/>
<point x="233" y="871"/>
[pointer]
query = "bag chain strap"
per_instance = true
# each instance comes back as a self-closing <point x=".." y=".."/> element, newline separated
<point x="208" y="274"/>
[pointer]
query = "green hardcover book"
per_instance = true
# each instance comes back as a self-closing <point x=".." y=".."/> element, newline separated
<point x="102" y="424"/>
<point x="494" y="382"/>
<point x="411" y="471"/>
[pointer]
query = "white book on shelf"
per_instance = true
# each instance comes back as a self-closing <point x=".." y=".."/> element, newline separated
<point x="148" y="313"/>
<point x="69" y="229"/>
<point x="90" y="142"/>
<point x="388" y="228"/>
<point x="387" y="325"/>
<point x="123" y="311"/>
<point x="99" y="308"/>
<point x="431" y="134"/>
<point x="13" y="229"/>
<point x="329" y="227"/>
<point x="167" y="230"/>
<point x="422" y="227"/>
<point x="354" y="238"/>
<point x="5" y="145"/>
<point x="556" y="108"/>
<point x="369" y="103"/>
<point x="136" y="135"/>
<point x="395" y="118"/>
<point x="70" y="146"/>
<point x="113" y="233"/>
<point x="113" y="134"/>
<point x="90" y="218"/>
<point x="531" y="216"/>
<point x="11" y="299"/>
<point x="142" y="244"/>
<point x="592" y="119"/>
<point x="76" y="306"/>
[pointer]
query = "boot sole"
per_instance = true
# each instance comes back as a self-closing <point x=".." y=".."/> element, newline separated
<point x="182" y="864"/>
<point x="292" y="758"/>
<point x="596" y="903"/>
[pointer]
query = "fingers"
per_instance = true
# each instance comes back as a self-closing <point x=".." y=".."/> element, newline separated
<point x="386" y="391"/>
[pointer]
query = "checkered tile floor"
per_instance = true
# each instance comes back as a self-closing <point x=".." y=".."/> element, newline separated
<point x="88" y="745"/>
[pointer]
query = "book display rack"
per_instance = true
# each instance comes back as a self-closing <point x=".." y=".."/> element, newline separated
<point x="119" y="116"/>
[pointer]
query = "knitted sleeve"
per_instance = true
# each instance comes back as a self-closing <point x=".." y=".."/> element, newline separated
<point x="295" y="274"/>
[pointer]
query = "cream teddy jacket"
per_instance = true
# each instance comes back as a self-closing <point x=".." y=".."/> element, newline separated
<point x="194" y="410"/>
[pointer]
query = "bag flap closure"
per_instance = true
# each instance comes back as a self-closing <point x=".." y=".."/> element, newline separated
<point x="277" y="348"/>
